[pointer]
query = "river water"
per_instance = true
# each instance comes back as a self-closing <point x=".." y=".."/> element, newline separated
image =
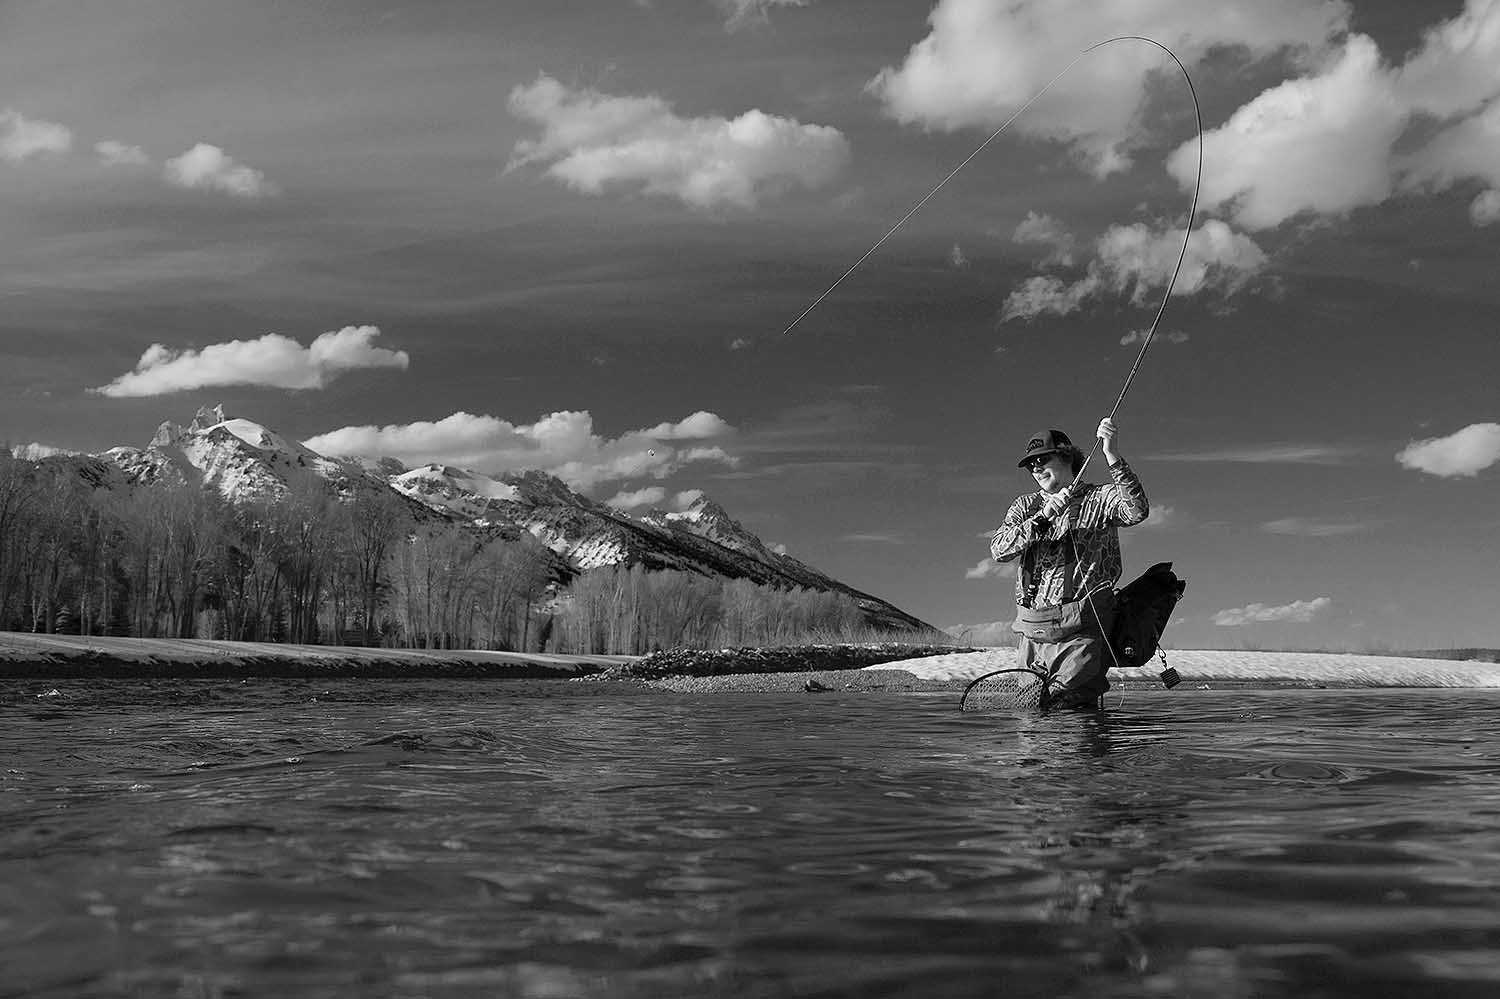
<point x="480" y="838"/>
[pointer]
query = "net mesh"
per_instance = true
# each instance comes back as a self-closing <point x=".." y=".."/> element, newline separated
<point x="1016" y="689"/>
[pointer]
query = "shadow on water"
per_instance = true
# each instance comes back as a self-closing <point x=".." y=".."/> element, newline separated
<point x="380" y="839"/>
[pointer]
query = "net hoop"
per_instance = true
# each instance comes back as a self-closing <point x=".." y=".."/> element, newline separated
<point x="1007" y="689"/>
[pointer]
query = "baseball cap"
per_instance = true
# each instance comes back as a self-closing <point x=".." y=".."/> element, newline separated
<point x="1044" y="442"/>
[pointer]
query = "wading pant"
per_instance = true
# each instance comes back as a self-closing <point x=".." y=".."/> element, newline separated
<point x="1075" y="665"/>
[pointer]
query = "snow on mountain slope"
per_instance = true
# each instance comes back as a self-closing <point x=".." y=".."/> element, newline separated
<point x="246" y="461"/>
<point x="455" y="491"/>
<point x="243" y="460"/>
<point x="708" y="519"/>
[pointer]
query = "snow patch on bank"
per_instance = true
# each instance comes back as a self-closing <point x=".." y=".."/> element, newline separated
<point x="1202" y="664"/>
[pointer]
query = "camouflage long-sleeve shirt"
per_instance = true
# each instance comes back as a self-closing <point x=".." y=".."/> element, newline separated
<point x="1080" y="550"/>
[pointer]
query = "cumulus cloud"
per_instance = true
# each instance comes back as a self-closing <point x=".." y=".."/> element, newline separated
<point x="699" y="426"/>
<point x="1485" y="209"/>
<point x="1143" y="258"/>
<point x="273" y="361"/>
<point x="1466" y="149"/>
<point x="1465" y="452"/>
<point x="1298" y="611"/>
<point x="210" y="168"/>
<point x="990" y="569"/>
<point x="1319" y="143"/>
<point x="1043" y="294"/>
<point x="1139" y="260"/>
<point x="112" y="153"/>
<point x="982" y="60"/>
<point x="592" y="141"/>
<point x="1457" y="67"/>
<point x="22" y="138"/>
<point x="686" y="498"/>
<point x="743" y="12"/>
<point x="562" y="443"/>
<point x="1330" y="141"/>
<point x="634" y="499"/>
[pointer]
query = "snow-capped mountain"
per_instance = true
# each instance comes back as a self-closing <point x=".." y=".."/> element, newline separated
<point x="240" y="458"/>
<point x="708" y="519"/>
<point x="246" y="461"/>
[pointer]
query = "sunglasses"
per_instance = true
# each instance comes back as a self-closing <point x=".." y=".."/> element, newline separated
<point x="1039" y="462"/>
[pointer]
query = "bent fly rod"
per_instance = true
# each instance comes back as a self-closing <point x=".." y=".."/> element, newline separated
<point x="1187" y="230"/>
<point x="1010" y="686"/>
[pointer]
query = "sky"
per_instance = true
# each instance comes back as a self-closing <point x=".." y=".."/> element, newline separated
<point x="595" y="236"/>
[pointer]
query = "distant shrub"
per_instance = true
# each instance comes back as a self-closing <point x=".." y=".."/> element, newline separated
<point x="630" y="611"/>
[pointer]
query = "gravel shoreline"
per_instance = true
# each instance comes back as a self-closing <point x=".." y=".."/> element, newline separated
<point x="871" y="667"/>
<point x="776" y="659"/>
<point x="876" y="680"/>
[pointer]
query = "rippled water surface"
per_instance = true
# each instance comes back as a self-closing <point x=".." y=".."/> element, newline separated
<point x="386" y="839"/>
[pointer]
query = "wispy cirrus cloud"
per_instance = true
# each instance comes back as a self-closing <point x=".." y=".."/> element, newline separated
<point x="1041" y="229"/>
<point x="745" y="12"/>
<point x="273" y="361"/>
<point x="593" y="142"/>
<point x="1162" y="516"/>
<point x="1296" y="612"/>
<point x="1311" y="527"/>
<point x="113" y="153"/>
<point x="1465" y="452"/>
<point x="563" y="444"/>
<point x="873" y="539"/>
<point x="1162" y="336"/>
<point x="1265" y="454"/>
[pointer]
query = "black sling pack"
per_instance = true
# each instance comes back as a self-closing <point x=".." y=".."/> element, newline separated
<point x="1142" y="608"/>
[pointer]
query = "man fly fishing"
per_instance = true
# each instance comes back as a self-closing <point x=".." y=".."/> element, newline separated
<point x="1066" y="535"/>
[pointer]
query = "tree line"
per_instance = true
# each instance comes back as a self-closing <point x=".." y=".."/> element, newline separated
<point x="628" y="611"/>
<point x="172" y="560"/>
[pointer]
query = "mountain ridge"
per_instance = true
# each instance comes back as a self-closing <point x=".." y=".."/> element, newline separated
<point x="246" y="461"/>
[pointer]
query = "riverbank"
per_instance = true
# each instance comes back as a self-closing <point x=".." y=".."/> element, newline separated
<point x="63" y="656"/>
<point x="883" y="668"/>
<point x="1198" y="668"/>
<point x="25" y="655"/>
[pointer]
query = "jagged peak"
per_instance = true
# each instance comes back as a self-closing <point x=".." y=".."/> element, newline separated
<point x="702" y="510"/>
<point x="707" y="519"/>
<point x="537" y="486"/>
<point x="168" y="434"/>
<point x="207" y="417"/>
